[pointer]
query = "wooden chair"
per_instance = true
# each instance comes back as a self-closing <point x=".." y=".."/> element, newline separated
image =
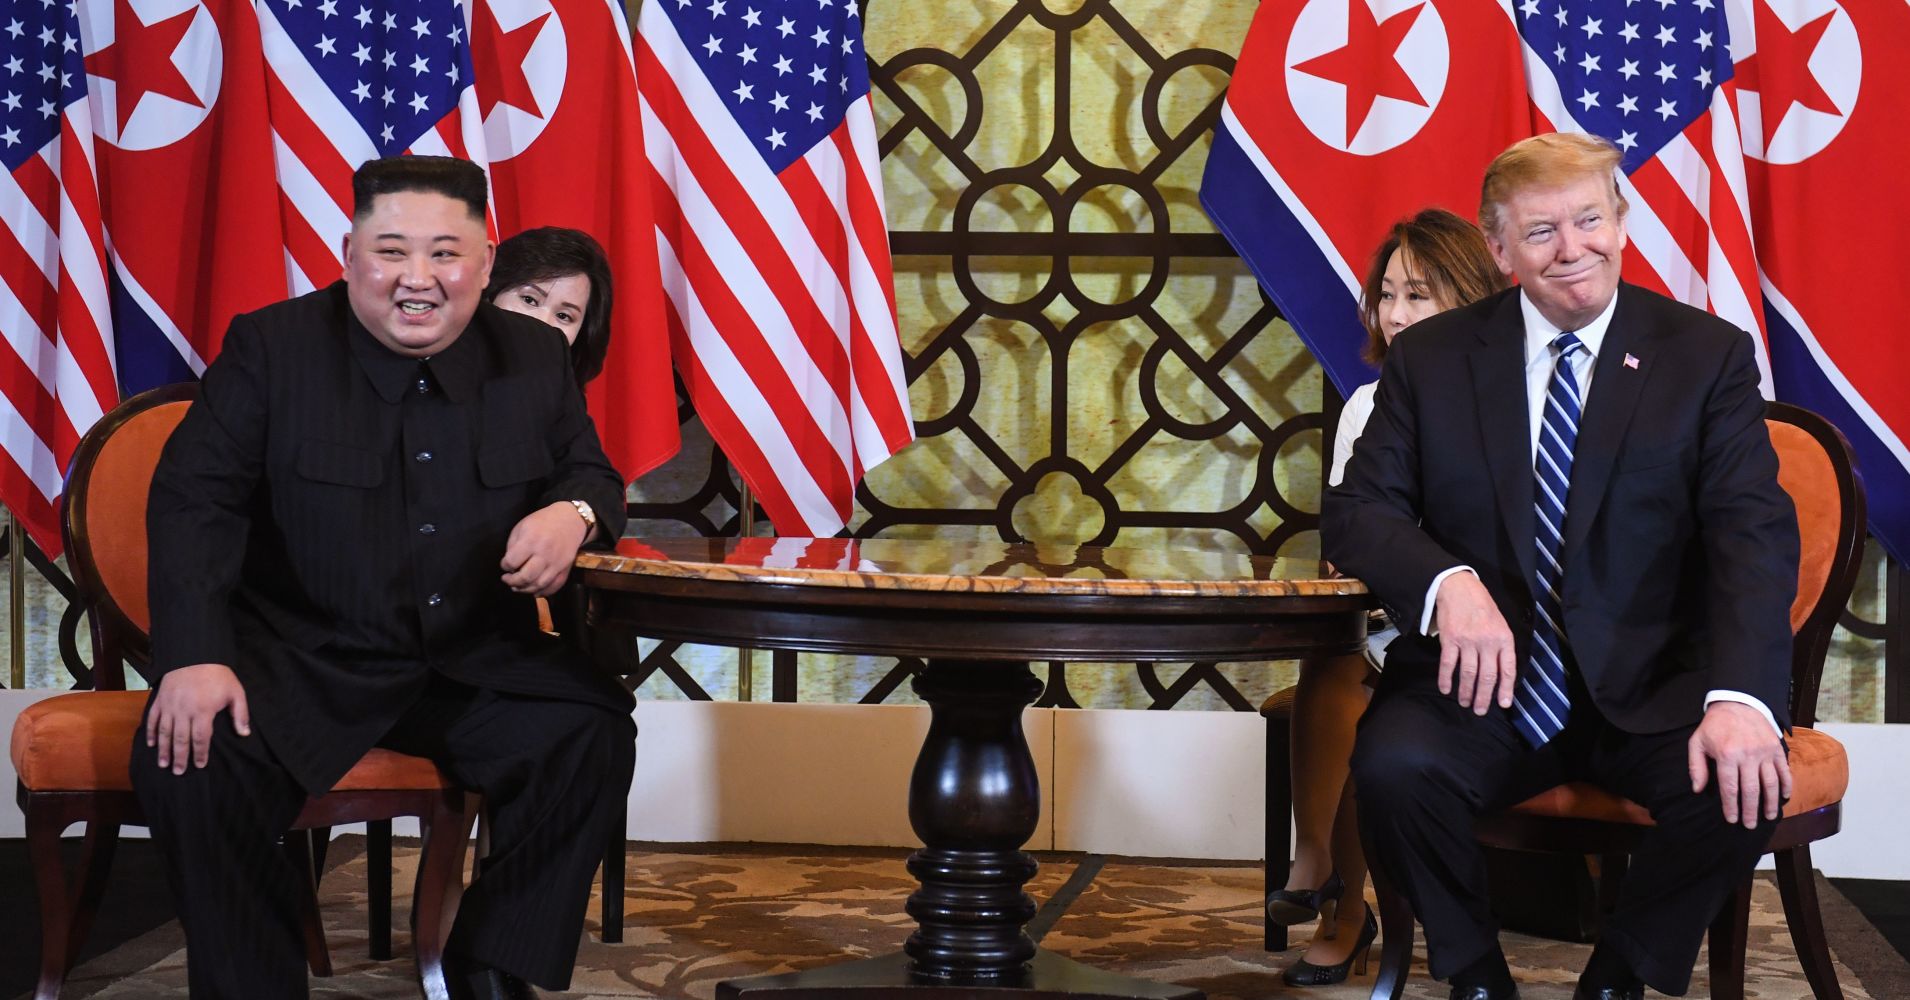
<point x="73" y="751"/>
<point x="1278" y="711"/>
<point x="1815" y="468"/>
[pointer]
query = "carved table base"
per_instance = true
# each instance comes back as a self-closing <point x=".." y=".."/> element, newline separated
<point x="974" y="800"/>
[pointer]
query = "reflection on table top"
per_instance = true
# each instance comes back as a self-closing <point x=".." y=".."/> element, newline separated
<point x="992" y="567"/>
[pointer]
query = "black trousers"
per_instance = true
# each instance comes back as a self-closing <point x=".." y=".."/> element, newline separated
<point x="1425" y="768"/>
<point x="554" y="775"/>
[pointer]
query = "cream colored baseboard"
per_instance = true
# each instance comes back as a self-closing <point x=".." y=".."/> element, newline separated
<point x="1150" y="784"/>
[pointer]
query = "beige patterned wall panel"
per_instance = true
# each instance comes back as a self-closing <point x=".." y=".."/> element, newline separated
<point x="1204" y="304"/>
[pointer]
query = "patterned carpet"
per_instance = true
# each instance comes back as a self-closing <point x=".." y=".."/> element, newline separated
<point x="697" y="915"/>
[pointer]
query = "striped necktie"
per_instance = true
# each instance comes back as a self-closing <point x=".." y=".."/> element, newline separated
<point x="1540" y="703"/>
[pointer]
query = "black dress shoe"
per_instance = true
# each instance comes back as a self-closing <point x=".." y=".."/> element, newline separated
<point x="1583" y="992"/>
<point x="1483" y="993"/>
<point x="1287" y="907"/>
<point x="1305" y="973"/>
<point x="468" y="980"/>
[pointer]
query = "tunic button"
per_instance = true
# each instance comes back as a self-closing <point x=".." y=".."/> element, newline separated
<point x="423" y="456"/>
<point x="427" y="529"/>
<point x="424" y="385"/>
<point x="434" y="600"/>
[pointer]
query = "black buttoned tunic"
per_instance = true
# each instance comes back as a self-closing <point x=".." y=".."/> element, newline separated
<point x="329" y="518"/>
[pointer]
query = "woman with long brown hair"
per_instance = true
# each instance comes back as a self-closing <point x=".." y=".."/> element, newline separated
<point x="1427" y="264"/>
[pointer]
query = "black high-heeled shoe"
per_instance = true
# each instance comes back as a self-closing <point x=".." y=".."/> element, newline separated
<point x="1305" y="973"/>
<point x="1287" y="907"/>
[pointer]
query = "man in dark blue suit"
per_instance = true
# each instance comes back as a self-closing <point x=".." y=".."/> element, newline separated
<point x="1568" y="493"/>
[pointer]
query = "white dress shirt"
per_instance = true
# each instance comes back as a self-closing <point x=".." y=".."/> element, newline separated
<point x="1353" y="417"/>
<point x="1540" y="362"/>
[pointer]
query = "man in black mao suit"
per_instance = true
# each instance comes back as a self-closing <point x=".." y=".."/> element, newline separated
<point x="1643" y="644"/>
<point x="348" y="531"/>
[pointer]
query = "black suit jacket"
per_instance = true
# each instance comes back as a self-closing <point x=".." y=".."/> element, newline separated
<point x="1680" y="551"/>
<point x="332" y="531"/>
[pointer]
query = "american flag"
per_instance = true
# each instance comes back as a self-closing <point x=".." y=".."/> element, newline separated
<point x="761" y="139"/>
<point x="56" y="371"/>
<point x="171" y="163"/>
<point x="1651" y="76"/>
<point x="350" y="80"/>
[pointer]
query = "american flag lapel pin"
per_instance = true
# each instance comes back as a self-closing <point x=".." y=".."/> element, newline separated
<point x="1631" y="361"/>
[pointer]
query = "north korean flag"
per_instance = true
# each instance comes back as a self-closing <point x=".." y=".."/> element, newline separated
<point x="1344" y="116"/>
<point x="1820" y="86"/>
<point x="188" y="190"/>
<point x="557" y="93"/>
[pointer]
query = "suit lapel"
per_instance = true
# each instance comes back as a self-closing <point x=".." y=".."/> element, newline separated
<point x="1612" y="399"/>
<point x="1498" y="386"/>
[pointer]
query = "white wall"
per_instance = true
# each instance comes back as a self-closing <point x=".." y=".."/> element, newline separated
<point x="1152" y="784"/>
<point x="12" y="703"/>
<point x="799" y="774"/>
<point x="1876" y="809"/>
<point x="1160" y="784"/>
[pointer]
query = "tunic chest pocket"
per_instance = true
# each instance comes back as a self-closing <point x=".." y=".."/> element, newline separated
<point x="514" y="463"/>
<point x="340" y="464"/>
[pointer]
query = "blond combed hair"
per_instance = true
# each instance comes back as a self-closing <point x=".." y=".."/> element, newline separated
<point x="1545" y="160"/>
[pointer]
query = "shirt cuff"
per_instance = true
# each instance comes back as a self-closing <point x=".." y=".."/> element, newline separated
<point x="1427" y="626"/>
<point x="1744" y="699"/>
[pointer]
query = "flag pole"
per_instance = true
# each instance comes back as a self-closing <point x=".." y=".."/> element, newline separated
<point x="16" y="602"/>
<point x="746" y="657"/>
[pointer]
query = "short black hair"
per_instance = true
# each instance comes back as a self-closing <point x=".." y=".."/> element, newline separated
<point x="550" y="252"/>
<point x="445" y="175"/>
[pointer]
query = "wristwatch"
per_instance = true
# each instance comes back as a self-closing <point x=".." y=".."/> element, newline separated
<point x="589" y="516"/>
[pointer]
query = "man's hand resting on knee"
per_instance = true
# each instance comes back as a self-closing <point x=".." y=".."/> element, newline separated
<point x="1474" y="644"/>
<point x="1753" y="770"/>
<point x="182" y="713"/>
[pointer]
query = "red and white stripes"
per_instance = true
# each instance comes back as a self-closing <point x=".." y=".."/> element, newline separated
<point x="57" y="373"/>
<point x="1690" y="218"/>
<point x="782" y="318"/>
<point x="316" y="144"/>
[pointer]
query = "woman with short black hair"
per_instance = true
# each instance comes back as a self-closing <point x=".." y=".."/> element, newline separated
<point x="562" y="277"/>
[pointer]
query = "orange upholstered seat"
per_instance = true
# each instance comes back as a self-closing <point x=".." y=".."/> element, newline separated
<point x="78" y="742"/>
<point x="1820" y="772"/>
<point x="381" y="768"/>
<point x="82" y="742"/>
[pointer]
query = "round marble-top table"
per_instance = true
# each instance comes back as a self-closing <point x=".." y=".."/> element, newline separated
<point x="978" y="613"/>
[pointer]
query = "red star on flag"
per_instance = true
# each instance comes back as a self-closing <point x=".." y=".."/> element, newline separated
<point x="1368" y="64"/>
<point x="505" y="51"/>
<point x="139" y="60"/>
<point x="1780" y="68"/>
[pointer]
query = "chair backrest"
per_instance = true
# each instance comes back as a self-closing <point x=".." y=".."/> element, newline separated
<point x="105" y="524"/>
<point x="1815" y="468"/>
